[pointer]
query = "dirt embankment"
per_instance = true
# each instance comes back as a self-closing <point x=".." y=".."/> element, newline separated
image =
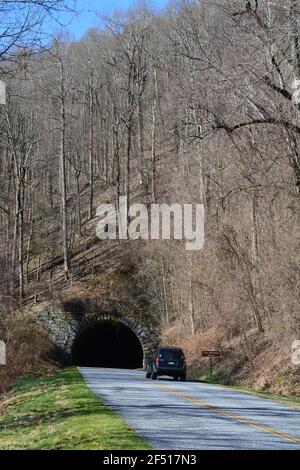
<point x="252" y="361"/>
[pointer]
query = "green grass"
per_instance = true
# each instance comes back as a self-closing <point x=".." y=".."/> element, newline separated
<point x="60" y="412"/>
<point x="218" y="377"/>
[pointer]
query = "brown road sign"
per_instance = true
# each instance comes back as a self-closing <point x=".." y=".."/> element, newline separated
<point x="211" y="353"/>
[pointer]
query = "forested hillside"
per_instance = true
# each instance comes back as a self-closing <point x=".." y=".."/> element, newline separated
<point x="199" y="104"/>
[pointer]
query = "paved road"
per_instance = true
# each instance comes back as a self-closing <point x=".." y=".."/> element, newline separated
<point x="174" y="415"/>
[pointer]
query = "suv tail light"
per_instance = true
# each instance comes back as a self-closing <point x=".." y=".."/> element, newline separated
<point x="184" y="361"/>
<point x="157" y="360"/>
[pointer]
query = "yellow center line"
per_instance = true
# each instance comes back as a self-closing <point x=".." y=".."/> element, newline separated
<point x="235" y="417"/>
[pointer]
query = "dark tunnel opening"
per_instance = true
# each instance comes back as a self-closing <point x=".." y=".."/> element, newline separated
<point x="108" y="344"/>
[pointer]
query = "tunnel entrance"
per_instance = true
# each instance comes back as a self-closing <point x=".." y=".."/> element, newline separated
<point x="108" y="344"/>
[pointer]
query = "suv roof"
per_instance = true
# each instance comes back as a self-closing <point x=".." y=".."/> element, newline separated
<point x="167" y="349"/>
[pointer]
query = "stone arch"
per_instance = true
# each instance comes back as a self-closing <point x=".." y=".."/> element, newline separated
<point x="63" y="330"/>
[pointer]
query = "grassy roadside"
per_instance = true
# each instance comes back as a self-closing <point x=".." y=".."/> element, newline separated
<point x="217" y="378"/>
<point x="60" y="412"/>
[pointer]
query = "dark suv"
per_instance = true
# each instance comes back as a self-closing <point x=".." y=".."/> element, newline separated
<point x="166" y="361"/>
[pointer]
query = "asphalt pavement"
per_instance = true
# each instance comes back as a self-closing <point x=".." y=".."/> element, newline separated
<point x="191" y="415"/>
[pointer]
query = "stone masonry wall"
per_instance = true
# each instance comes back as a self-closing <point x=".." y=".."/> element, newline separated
<point x="64" y="330"/>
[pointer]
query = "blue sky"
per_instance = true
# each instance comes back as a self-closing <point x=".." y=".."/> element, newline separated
<point x="87" y="18"/>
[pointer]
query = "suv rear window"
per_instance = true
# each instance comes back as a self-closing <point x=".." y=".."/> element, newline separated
<point x="170" y="353"/>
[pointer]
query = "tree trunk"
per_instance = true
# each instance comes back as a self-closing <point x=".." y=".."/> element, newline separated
<point x="191" y="295"/>
<point x="63" y="186"/>
<point x="91" y="147"/>
<point x="153" y="139"/>
<point x="141" y="141"/>
<point x="29" y="242"/>
<point x="78" y="203"/>
<point x="254" y="262"/>
<point x="128" y="162"/>
<point x="295" y="51"/>
<point x="163" y="275"/>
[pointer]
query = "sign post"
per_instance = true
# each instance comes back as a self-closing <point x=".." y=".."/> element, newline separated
<point x="211" y="355"/>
